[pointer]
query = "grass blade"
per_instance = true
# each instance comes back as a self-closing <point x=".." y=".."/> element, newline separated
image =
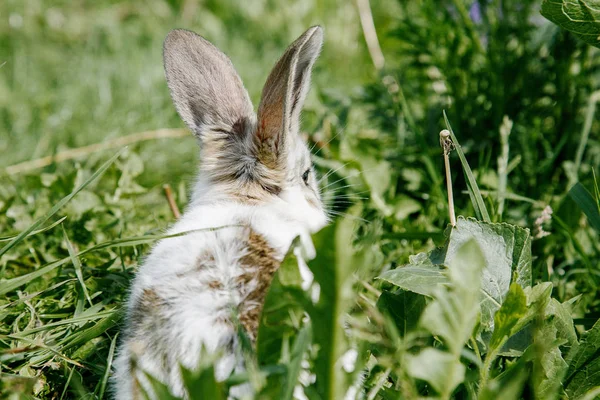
<point x="58" y="205"/>
<point x="77" y="265"/>
<point x="44" y="229"/>
<point x="474" y="192"/>
<point x="588" y="205"/>
<point x="109" y="361"/>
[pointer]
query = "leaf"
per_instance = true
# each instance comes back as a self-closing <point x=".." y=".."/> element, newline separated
<point x="508" y="385"/>
<point x="583" y="373"/>
<point x="418" y="279"/>
<point x="282" y="312"/>
<point x="404" y="307"/>
<point x="441" y="369"/>
<point x="301" y="345"/>
<point x="508" y="316"/>
<point x="506" y="250"/>
<point x="588" y="205"/>
<point x="333" y="270"/>
<point x="452" y="316"/>
<point x="507" y="253"/>
<point x="76" y="265"/>
<point x="518" y="310"/>
<point x="550" y="367"/>
<point x="581" y="17"/>
<point x="201" y="384"/>
<point x="454" y="312"/>
<point x="159" y="389"/>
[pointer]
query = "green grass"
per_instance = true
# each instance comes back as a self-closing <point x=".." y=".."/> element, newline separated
<point x="73" y="233"/>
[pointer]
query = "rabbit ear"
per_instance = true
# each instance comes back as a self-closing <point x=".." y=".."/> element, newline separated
<point x="286" y="88"/>
<point x="203" y="83"/>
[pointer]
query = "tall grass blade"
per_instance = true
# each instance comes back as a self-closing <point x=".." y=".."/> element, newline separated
<point x="76" y="265"/>
<point x="474" y="192"/>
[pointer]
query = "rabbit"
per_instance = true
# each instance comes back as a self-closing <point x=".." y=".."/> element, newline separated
<point x="256" y="184"/>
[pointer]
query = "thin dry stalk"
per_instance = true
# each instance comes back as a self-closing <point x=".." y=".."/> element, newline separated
<point x="79" y="152"/>
<point x="368" y="27"/>
<point x="171" y="201"/>
<point x="447" y="146"/>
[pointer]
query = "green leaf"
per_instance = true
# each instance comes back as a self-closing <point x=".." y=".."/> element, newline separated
<point x="159" y="389"/>
<point x="301" y="345"/>
<point x="404" y="307"/>
<point x="588" y="205"/>
<point x="518" y="310"/>
<point x="454" y="312"/>
<point x="282" y="312"/>
<point x="441" y="369"/>
<point x="506" y="251"/>
<point x="583" y="372"/>
<point x="201" y="384"/>
<point x="334" y="270"/>
<point x="581" y="17"/>
<point x="472" y="187"/>
<point x="508" y="316"/>
<point x="417" y="279"/>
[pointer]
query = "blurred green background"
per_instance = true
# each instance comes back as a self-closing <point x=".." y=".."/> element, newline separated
<point x="80" y="72"/>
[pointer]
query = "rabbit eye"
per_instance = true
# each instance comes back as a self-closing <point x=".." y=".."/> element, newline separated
<point x="305" y="176"/>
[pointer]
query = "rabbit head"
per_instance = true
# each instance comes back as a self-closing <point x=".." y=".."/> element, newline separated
<point x="254" y="159"/>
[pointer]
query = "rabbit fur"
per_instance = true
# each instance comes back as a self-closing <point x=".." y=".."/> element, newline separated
<point x="255" y="174"/>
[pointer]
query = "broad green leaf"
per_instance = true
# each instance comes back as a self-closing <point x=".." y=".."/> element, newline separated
<point x="201" y="384"/>
<point x="506" y="250"/>
<point x="583" y="372"/>
<point x="404" y="307"/>
<point x="417" y="279"/>
<point x="586" y="202"/>
<point x="452" y="316"/>
<point x="334" y="270"/>
<point x="455" y="310"/>
<point x="582" y="17"/>
<point x="442" y="370"/>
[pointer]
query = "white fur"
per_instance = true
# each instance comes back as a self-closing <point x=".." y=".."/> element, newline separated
<point x="192" y="320"/>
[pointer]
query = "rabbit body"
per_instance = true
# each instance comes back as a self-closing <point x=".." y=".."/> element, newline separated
<point x="256" y="188"/>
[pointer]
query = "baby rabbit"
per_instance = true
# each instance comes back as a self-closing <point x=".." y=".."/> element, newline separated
<point x="255" y="174"/>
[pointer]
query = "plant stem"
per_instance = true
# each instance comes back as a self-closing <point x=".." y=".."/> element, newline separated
<point x="446" y="144"/>
<point x="505" y="130"/>
<point x="171" y="201"/>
